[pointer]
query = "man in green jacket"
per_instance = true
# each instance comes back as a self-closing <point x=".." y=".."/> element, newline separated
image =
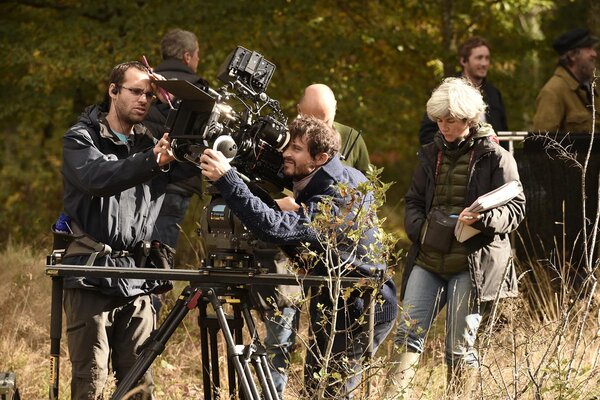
<point x="564" y="103"/>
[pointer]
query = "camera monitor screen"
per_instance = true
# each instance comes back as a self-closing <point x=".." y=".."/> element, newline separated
<point x="192" y="112"/>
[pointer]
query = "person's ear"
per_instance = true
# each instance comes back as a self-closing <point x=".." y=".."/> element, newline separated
<point x="187" y="57"/>
<point x="113" y="89"/>
<point x="321" y="159"/>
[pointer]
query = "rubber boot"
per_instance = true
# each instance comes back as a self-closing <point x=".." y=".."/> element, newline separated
<point x="401" y="375"/>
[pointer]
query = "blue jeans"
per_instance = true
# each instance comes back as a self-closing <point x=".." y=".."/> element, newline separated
<point x="426" y="294"/>
<point x="281" y="337"/>
<point x="171" y="213"/>
<point x="348" y="350"/>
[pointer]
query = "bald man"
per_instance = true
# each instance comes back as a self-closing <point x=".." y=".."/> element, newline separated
<point x="319" y="101"/>
<point x="281" y="325"/>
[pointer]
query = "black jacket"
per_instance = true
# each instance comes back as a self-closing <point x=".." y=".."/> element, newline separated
<point x="113" y="191"/>
<point x="173" y="68"/>
<point x="495" y="114"/>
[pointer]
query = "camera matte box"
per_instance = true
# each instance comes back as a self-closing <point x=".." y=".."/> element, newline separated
<point x="196" y="105"/>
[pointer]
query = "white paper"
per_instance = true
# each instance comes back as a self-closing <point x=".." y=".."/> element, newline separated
<point x="485" y="202"/>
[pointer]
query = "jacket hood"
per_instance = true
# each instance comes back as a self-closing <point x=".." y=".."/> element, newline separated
<point x="483" y="130"/>
<point x="92" y="114"/>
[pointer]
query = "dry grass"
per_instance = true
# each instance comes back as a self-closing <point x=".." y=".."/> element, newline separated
<point x="531" y="354"/>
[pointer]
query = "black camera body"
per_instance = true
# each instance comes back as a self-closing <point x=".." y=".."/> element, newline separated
<point x="249" y="67"/>
<point x="238" y="119"/>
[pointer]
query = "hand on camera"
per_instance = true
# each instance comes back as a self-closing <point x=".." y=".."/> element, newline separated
<point x="162" y="151"/>
<point x="213" y="164"/>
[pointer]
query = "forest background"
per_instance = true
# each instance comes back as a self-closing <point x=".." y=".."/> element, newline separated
<point x="381" y="58"/>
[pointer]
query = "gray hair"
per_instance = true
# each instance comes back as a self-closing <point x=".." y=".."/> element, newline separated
<point x="456" y="97"/>
<point x="177" y="42"/>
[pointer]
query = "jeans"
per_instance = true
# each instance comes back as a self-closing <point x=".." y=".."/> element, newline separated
<point x="426" y="294"/>
<point x="171" y="213"/>
<point x="348" y="350"/>
<point x="281" y="337"/>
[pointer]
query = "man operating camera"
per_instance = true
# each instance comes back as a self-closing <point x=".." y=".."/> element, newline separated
<point x="115" y="175"/>
<point x="311" y="159"/>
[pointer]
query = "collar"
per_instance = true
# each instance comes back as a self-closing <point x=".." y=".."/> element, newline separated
<point x="107" y="133"/>
<point x="173" y="64"/>
<point x="298" y="186"/>
<point x="323" y="177"/>
<point x="568" y="77"/>
<point x="480" y="87"/>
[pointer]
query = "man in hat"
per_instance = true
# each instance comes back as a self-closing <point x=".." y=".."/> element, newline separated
<point x="565" y="102"/>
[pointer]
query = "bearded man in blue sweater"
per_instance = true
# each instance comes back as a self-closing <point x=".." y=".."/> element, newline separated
<point x="311" y="159"/>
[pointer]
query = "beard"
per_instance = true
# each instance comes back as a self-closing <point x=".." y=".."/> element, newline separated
<point x="587" y="69"/>
<point x="292" y="170"/>
<point x="132" y="115"/>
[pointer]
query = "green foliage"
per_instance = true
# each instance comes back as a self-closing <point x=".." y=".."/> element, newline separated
<point x="381" y="59"/>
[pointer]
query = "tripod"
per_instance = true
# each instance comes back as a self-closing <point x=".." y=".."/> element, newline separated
<point x="198" y="293"/>
<point x="240" y="356"/>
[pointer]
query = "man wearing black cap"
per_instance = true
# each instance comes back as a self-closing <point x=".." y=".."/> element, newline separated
<point x="564" y="103"/>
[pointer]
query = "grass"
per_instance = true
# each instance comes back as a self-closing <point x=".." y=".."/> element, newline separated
<point x="531" y="352"/>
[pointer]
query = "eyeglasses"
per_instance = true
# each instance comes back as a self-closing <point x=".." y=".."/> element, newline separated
<point x="139" y="92"/>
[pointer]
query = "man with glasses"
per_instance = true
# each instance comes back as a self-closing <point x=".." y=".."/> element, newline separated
<point x="114" y="185"/>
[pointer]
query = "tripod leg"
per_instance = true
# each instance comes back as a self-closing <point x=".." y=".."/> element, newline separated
<point x="234" y="352"/>
<point x="371" y="327"/>
<point x="206" y="385"/>
<point x="262" y="371"/>
<point x="55" y="334"/>
<point x="214" y="361"/>
<point x="188" y="299"/>
<point x="261" y="364"/>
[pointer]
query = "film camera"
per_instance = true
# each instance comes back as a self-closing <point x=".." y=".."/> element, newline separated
<point x="249" y="128"/>
<point x="238" y="119"/>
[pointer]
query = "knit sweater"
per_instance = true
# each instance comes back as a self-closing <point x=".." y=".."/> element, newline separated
<point x="293" y="228"/>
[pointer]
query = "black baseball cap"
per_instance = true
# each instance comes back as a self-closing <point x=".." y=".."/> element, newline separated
<point x="574" y="39"/>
